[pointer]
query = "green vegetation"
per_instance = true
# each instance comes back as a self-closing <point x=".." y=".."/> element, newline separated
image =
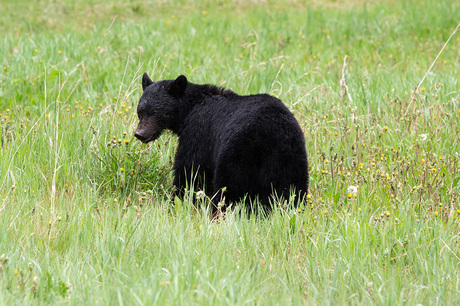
<point x="85" y="215"/>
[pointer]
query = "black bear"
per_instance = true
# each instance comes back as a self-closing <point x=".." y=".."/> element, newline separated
<point x="234" y="146"/>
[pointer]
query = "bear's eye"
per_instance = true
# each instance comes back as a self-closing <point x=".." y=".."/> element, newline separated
<point x="145" y="113"/>
<point x="141" y="114"/>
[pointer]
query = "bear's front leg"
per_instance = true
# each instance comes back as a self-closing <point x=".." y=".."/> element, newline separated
<point x="179" y="184"/>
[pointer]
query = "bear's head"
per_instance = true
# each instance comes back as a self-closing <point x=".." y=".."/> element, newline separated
<point x="159" y="107"/>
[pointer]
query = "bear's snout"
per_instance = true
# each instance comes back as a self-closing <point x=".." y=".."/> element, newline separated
<point x="147" y="131"/>
<point x="140" y="135"/>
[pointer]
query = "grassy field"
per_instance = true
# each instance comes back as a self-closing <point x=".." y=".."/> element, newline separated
<point x="85" y="216"/>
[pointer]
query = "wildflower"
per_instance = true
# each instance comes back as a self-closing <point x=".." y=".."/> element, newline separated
<point x="423" y="137"/>
<point x="121" y="169"/>
<point x="60" y="52"/>
<point x="309" y="196"/>
<point x="352" y="189"/>
<point x="126" y="141"/>
<point x="385" y="128"/>
<point x="200" y="195"/>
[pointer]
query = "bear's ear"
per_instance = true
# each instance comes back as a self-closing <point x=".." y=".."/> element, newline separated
<point x="146" y="81"/>
<point x="178" y="86"/>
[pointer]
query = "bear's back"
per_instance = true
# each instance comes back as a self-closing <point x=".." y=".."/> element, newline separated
<point x="257" y="115"/>
<point x="224" y="114"/>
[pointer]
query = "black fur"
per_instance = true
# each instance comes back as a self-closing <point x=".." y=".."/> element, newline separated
<point x="252" y="145"/>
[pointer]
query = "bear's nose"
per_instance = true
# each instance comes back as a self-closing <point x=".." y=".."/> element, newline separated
<point x="139" y="136"/>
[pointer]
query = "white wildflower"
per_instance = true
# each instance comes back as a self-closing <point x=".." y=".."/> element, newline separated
<point x="423" y="137"/>
<point x="200" y="195"/>
<point x="352" y="189"/>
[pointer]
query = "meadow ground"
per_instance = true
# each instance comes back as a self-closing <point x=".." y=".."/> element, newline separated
<point x="85" y="216"/>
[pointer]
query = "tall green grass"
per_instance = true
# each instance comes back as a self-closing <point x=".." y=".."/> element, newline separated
<point x="85" y="210"/>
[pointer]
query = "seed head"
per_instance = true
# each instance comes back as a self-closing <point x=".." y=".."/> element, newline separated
<point x="352" y="189"/>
